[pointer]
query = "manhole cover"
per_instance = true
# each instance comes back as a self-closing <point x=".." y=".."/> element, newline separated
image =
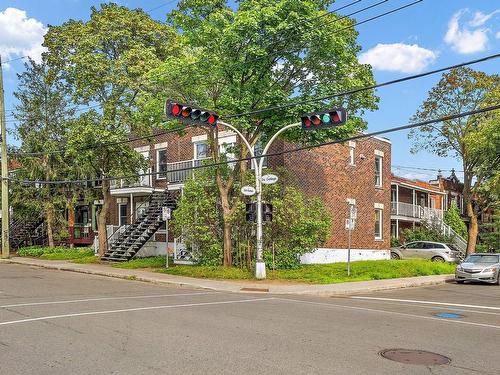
<point x="449" y="315"/>
<point x="415" y="357"/>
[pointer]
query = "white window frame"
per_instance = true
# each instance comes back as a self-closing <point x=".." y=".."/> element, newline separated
<point x="380" y="160"/>
<point x="195" y="145"/>
<point x="352" y="154"/>
<point x="379" y="212"/>
<point x="160" y="176"/>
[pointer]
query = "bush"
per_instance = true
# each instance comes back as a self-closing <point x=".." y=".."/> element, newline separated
<point x="424" y="233"/>
<point x="395" y="242"/>
<point x="453" y="219"/>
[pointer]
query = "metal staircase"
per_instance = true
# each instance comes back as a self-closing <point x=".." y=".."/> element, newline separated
<point x="27" y="232"/>
<point x="126" y="245"/>
<point x="435" y="220"/>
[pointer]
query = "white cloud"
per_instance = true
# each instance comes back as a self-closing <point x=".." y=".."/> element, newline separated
<point x="20" y="35"/>
<point x="497" y="35"/>
<point x="398" y="57"/>
<point x="480" y="18"/>
<point x="464" y="40"/>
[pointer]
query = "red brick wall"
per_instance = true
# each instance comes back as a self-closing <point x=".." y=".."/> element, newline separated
<point x="326" y="173"/>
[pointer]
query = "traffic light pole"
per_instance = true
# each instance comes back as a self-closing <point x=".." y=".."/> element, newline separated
<point x="260" y="266"/>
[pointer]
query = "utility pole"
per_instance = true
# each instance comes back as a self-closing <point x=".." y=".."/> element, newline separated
<point x="5" y="172"/>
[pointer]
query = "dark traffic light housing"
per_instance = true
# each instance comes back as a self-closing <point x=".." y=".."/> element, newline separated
<point x="251" y="212"/>
<point x="320" y="120"/>
<point x="189" y="114"/>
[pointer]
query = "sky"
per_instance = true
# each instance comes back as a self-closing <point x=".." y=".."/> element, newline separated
<point x="429" y="35"/>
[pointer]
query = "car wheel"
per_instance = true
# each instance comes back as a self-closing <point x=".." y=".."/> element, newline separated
<point x="395" y="256"/>
<point x="438" y="259"/>
<point x="498" y="279"/>
<point x="460" y="281"/>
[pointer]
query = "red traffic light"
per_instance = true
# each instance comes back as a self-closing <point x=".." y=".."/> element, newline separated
<point x="327" y="119"/>
<point x="189" y="114"/>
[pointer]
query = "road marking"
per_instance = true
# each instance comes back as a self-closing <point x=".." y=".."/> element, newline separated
<point x="105" y="299"/>
<point x="440" y="308"/>
<point x="427" y="302"/>
<point x="50" y="317"/>
<point x="391" y="313"/>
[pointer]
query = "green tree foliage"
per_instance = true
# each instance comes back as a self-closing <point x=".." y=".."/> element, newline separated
<point x="490" y="231"/>
<point x="43" y="113"/>
<point x="299" y="225"/>
<point x="424" y="233"/>
<point x="459" y="90"/>
<point x="105" y="60"/>
<point x="454" y="220"/>
<point x="261" y="53"/>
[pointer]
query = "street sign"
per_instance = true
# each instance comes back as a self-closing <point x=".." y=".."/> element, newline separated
<point x="248" y="190"/>
<point x="269" y="179"/>
<point x="350" y="224"/>
<point x="166" y="213"/>
<point x="353" y="212"/>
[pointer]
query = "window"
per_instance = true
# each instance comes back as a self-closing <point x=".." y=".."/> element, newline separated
<point x="378" y="171"/>
<point x="161" y="163"/>
<point x="200" y="150"/>
<point x="352" y="148"/>
<point x="378" y="224"/>
<point x="122" y="214"/>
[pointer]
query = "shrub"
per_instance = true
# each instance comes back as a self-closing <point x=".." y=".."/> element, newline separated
<point x="453" y="219"/>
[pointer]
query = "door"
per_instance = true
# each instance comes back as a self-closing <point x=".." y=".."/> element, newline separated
<point x="122" y="214"/>
<point x="412" y="250"/>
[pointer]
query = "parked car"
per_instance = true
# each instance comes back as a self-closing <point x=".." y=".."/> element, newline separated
<point x="435" y="251"/>
<point x="479" y="267"/>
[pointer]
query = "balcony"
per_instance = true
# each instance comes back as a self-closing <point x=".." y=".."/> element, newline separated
<point x="180" y="172"/>
<point x="143" y="184"/>
<point x="415" y="211"/>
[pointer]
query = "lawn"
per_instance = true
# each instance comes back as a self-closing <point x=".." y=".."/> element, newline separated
<point x="313" y="273"/>
<point x="83" y="255"/>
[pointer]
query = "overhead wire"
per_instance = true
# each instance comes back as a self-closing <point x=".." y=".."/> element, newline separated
<point x="277" y="153"/>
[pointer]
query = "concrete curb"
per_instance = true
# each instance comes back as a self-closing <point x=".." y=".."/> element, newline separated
<point x="322" y="290"/>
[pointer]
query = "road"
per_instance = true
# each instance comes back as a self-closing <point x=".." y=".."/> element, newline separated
<point x="57" y="322"/>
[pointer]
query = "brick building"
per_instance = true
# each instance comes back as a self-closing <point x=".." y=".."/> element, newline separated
<point x="355" y="173"/>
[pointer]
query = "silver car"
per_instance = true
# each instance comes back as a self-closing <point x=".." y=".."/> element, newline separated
<point x="435" y="251"/>
<point x="479" y="267"/>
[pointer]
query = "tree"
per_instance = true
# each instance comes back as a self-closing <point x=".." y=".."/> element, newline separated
<point x="299" y="225"/>
<point x="454" y="220"/>
<point x="459" y="90"/>
<point x="105" y="60"/>
<point x="264" y="53"/>
<point x="490" y="231"/>
<point x="43" y="113"/>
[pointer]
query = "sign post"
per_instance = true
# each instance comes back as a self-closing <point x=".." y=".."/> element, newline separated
<point x="166" y="213"/>
<point x="349" y="225"/>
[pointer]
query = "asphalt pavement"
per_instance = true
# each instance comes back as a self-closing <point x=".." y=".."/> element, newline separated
<point x="58" y="322"/>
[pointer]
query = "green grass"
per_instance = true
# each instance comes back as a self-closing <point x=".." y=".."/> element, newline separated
<point x="56" y="253"/>
<point x="152" y="262"/>
<point x="324" y="273"/>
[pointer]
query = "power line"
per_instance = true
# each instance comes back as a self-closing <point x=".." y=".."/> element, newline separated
<point x="330" y="22"/>
<point x="425" y="169"/>
<point x="365" y="88"/>
<point x="172" y="130"/>
<point x="278" y="153"/>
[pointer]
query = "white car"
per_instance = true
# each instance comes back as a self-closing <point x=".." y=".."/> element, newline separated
<point x="435" y="251"/>
<point x="483" y="267"/>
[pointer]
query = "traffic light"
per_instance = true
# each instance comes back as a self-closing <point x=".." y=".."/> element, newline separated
<point x="251" y="212"/>
<point x="320" y="120"/>
<point x="267" y="212"/>
<point x="189" y="114"/>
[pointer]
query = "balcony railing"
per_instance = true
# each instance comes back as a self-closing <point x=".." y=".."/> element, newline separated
<point x="180" y="171"/>
<point x="415" y="211"/>
<point x="142" y="181"/>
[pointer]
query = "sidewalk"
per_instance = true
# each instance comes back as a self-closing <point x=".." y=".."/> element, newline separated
<point x="234" y="286"/>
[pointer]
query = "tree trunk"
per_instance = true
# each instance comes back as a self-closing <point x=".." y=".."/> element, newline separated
<point x="473" y="229"/>
<point x="71" y="220"/>
<point x="50" y="224"/>
<point x="228" y="248"/>
<point x="102" y="218"/>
